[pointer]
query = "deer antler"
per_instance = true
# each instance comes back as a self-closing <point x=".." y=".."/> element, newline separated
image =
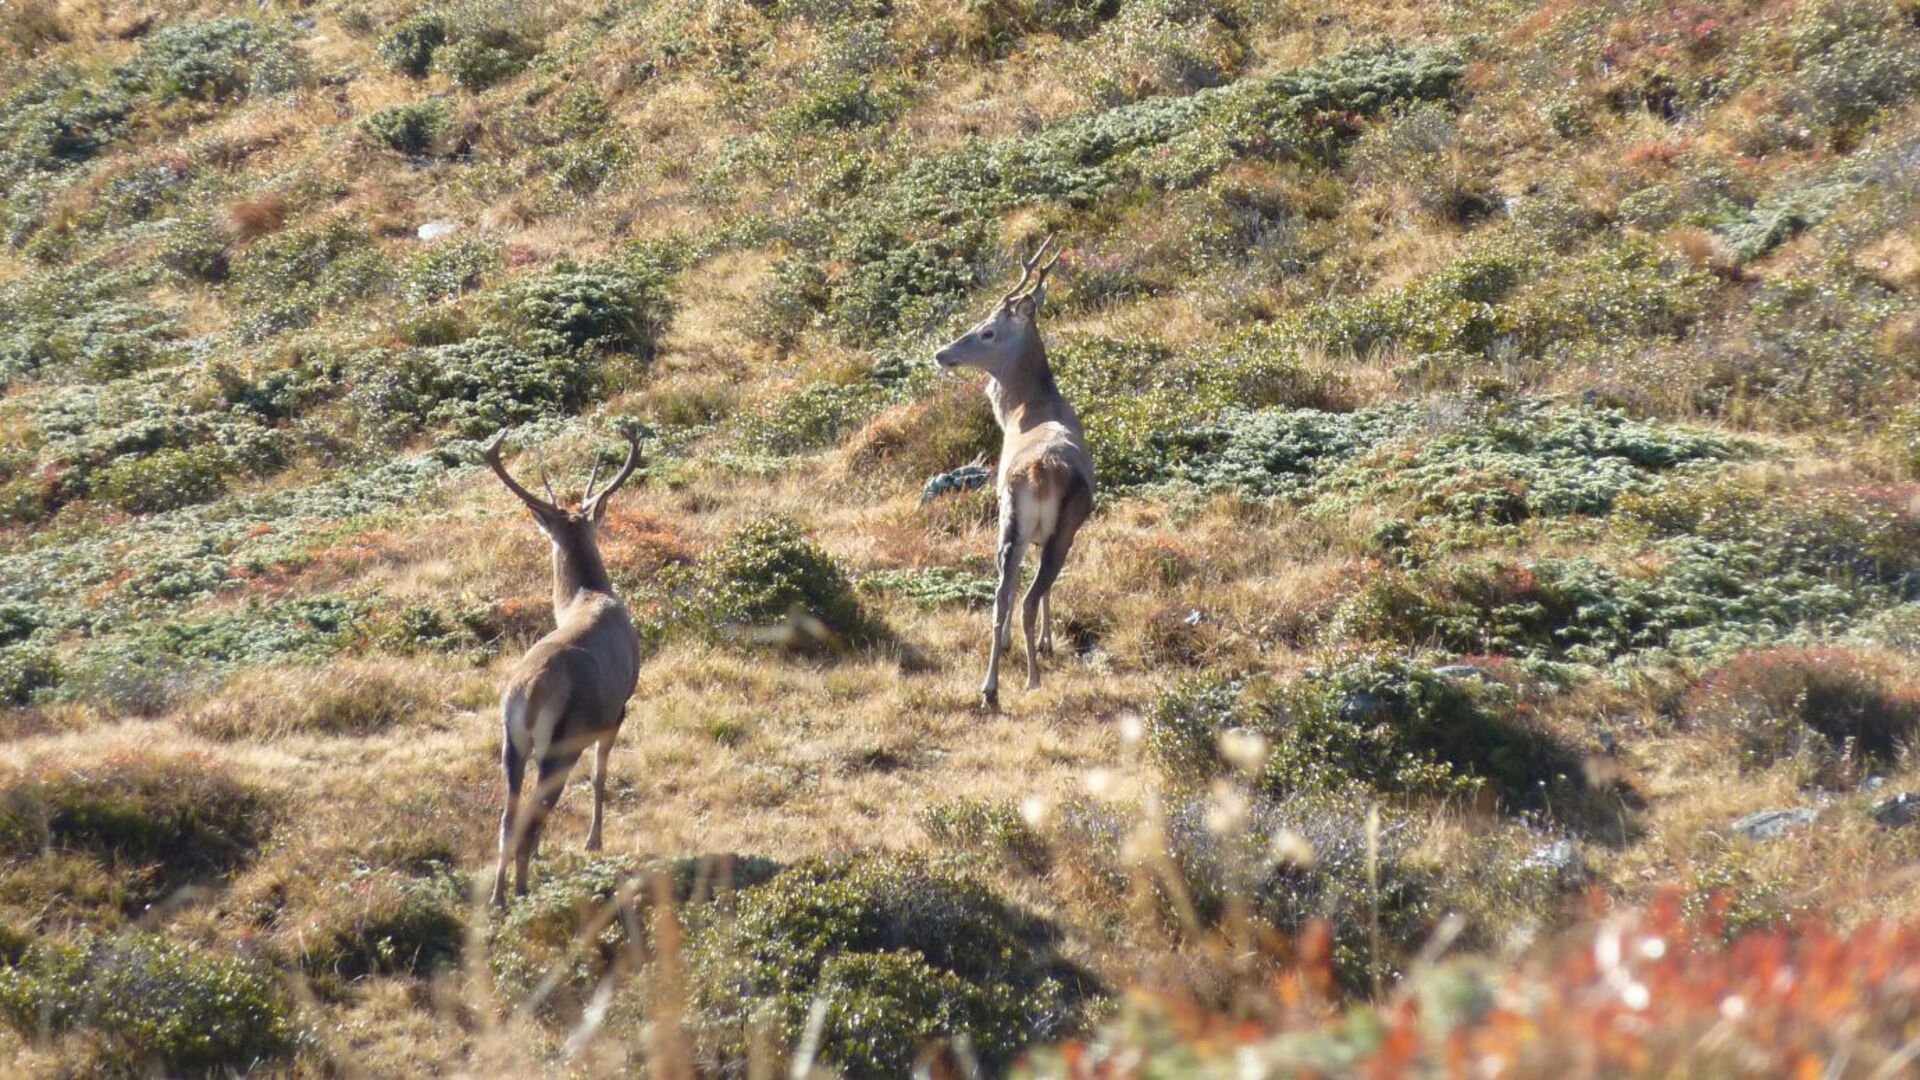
<point x="592" y="477"/>
<point x="1027" y="267"/>
<point x="592" y="505"/>
<point x="491" y="455"/>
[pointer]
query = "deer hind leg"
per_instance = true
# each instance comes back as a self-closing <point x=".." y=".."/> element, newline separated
<point x="600" y="752"/>
<point x="514" y="764"/>
<point x="1053" y="556"/>
<point x="1046" y="623"/>
<point x="1013" y="549"/>
<point x="555" y="764"/>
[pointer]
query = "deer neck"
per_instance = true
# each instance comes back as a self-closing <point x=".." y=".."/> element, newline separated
<point x="577" y="568"/>
<point x="1025" y="393"/>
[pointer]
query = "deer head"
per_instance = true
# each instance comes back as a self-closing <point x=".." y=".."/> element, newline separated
<point x="572" y="531"/>
<point x="1007" y="336"/>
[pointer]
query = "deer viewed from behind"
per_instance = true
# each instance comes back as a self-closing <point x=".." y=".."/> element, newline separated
<point x="1045" y="479"/>
<point x="571" y="688"/>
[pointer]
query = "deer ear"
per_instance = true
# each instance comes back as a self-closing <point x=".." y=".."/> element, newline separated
<point x="1027" y="306"/>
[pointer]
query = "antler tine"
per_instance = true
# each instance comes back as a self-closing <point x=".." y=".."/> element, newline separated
<point x="491" y="455"/>
<point x="591" y="478"/>
<point x="1047" y="267"/>
<point x="633" y="461"/>
<point x="547" y="483"/>
<point x="1027" y="266"/>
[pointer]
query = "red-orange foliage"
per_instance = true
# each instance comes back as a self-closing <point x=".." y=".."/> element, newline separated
<point x="1645" y="993"/>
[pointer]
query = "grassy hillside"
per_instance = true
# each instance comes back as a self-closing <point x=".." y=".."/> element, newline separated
<point x="1507" y="437"/>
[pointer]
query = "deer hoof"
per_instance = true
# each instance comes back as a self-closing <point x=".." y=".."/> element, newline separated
<point x="990" y="701"/>
<point x="593" y="843"/>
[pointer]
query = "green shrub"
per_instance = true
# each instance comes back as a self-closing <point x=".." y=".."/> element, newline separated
<point x="813" y="417"/>
<point x="475" y="63"/>
<point x="293" y="277"/>
<point x="382" y="923"/>
<point x="1371" y="724"/>
<point x="1726" y="566"/>
<point x="166" y="480"/>
<point x="217" y="60"/>
<point x="902" y="948"/>
<point x="195" y="248"/>
<point x="994" y="826"/>
<point x="1854" y="59"/>
<point x="617" y="307"/>
<point x="932" y="587"/>
<point x="447" y="271"/>
<point x="766" y="572"/>
<point x="411" y="127"/>
<point x="152" y="1003"/>
<point x="25" y="669"/>
<point x="539" y="939"/>
<point x="583" y="166"/>
<point x="409" y="47"/>
<point x="472" y="388"/>
<point x="312" y="627"/>
<point x="82" y="321"/>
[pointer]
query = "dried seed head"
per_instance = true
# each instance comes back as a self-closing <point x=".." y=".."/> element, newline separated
<point x="1100" y="782"/>
<point x="1291" y="849"/>
<point x="1227" y="810"/>
<point x="1245" y="749"/>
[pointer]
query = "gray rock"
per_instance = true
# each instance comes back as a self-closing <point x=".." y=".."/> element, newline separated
<point x="434" y="230"/>
<point x="1902" y="809"/>
<point x="1561" y="859"/>
<point x="1364" y="705"/>
<point x="1463" y="671"/>
<point x="1768" y="824"/>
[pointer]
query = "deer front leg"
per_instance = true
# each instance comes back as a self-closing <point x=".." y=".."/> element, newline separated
<point x="600" y="753"/>
<point x="1046" y="624"/>
<point x="1012" y="550"/>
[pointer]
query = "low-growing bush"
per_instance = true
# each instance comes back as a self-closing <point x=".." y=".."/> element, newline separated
<point x="471" y="388"/>
<point x="816" y="416"/>
<point x="24" y="670"/>
<point x="1371" y="724"/>
<point x="383" y="923"/>
<point x="903" y="949"/>
<point x="411" y="127"/>
<point x="612" y="306"/>
<point x="409" y="47"/>
<point x="166" y="480"/>
<point x="932" y="587"/>
<point x="475" y="62"/>
<point x="158" y="822"/>
<point x="151" y="1003"/>
<point x="994" y="826"/>
<point x="767" y="573"/>
<point x="216" y="60"/>
<point x="1837" y="711"/>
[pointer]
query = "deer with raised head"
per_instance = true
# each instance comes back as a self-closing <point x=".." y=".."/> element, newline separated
<point x="1045" y="478"/>
<point x="570" y="690"/>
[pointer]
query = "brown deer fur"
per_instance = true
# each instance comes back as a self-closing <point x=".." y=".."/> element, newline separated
<point x="570" y="690"/>
<point x="1045" y="478"/>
